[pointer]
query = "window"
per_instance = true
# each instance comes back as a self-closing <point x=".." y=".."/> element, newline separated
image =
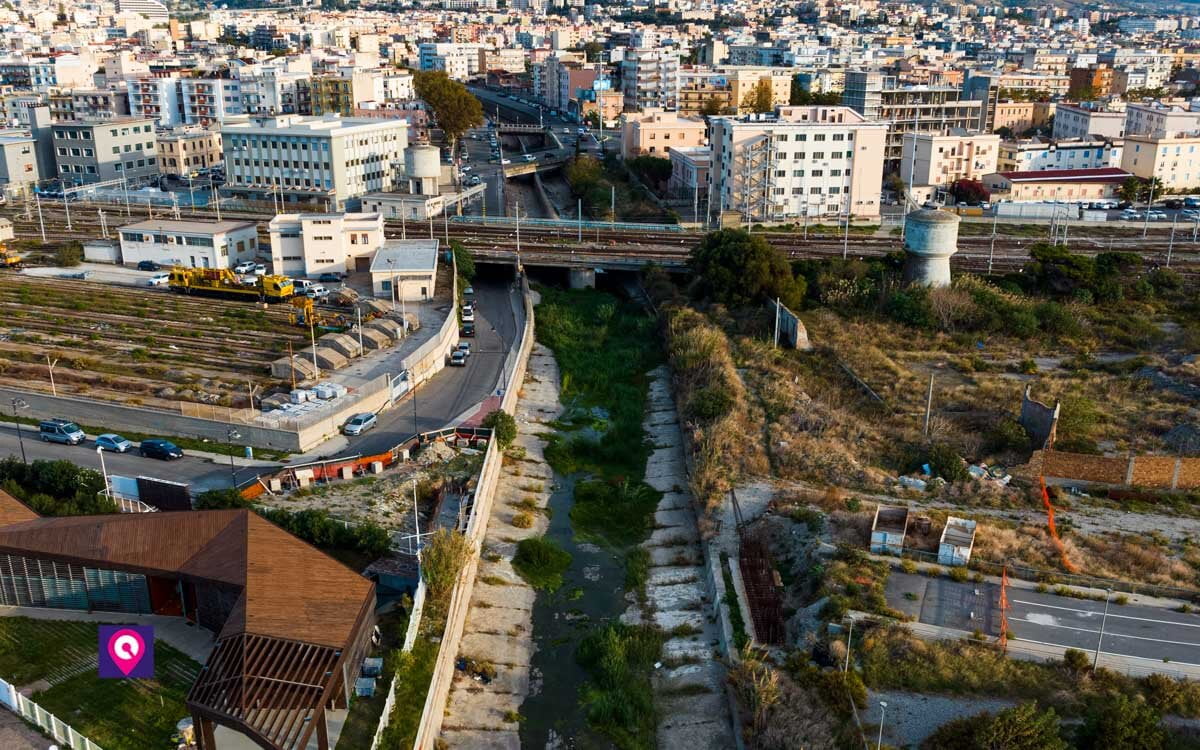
<point x="116" y="149"/>
<point x="62" y="151"/>
<point x="818" y="155"/>
<point x="818" y="136"/>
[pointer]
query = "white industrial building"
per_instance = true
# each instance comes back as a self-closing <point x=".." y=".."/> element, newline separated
<point x="405" y="270"/>
<point x="312" y="244"/>
<point x="196" y="244"/>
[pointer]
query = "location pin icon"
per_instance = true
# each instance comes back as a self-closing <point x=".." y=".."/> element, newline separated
<point x="126" y="647"/>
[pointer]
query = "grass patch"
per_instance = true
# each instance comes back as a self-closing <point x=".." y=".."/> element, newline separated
<point x="541" y="562"/>
<point x="618" y="698"/>
<point x="115" y="714"/>
<point x="736" y="620"/>
<point x="613" y="514"/>
<point x="363" y="718"/>
<point x="637" y="572"/>
<point x="415" y="671"/>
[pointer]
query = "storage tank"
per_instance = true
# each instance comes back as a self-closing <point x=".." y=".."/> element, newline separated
<point x="930" y="238"/>
<point x="423" y="164"/>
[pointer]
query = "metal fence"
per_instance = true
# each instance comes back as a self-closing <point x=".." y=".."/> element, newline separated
<point x="35" y="714"/>
<point x="567" y="224"/>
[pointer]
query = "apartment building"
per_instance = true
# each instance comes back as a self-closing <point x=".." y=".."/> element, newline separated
<point x="43" y="73"/>
<point x="196" y="244"/>
<point x="157" y="98"/>
<point x="460" y="61"/>
<point x="1074" y="121"/>
<point x="326" y="161"/>
<point x="185" y="151"/>
<point x="275" y="92"/>
<point x="933" y="161"/>
<point x="88" y="152"/>
<point x="88" y="104"/>
<point x="312" y="244"/>
<point x="654" y="132"/>
<point x="1021" y="116"/>
<point x="908" y="109"/>
<point x="1173" y="158"/>
<point x="650" y="79"/>
<point x="1160" y="119"/>
<point x="209" y="100"/>
<point x="1039" y="155"/>
<point x="797" y="162"/>
<point x="689" y="172"/>
<point x="701" y="89"/>
<point x="18" y="163"/>
<point x="1093" y="82"/>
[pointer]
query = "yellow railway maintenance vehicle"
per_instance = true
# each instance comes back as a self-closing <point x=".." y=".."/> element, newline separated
<point x="221" y="282"/>
<point x="9" y="258"/>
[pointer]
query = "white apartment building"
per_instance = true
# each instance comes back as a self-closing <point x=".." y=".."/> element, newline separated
<point x="209" y="100"/>
<point x="933" y="161"/>
<point x="196" y="244"/>
<point x="155" y="98"/>
<point x="327" y="161"/>
<point x="1173" y="158"/>
<point x="1160" y="119"/>
<point x="650" y="78"/>
<point x="1072" y="121"/>
<point x="460" y="61"/>
<point x="272" y="92"/>
<point x="797" y="162"/>
<point x="1037" y="155"/>
<point x="312" y="244"/>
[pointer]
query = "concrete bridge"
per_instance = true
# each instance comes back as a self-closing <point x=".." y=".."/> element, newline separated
<point x="544" y="161"/>
<point x="515" y="128"/>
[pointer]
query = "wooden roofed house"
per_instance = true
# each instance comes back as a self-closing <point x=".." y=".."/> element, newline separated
<point x="291" y="624"/>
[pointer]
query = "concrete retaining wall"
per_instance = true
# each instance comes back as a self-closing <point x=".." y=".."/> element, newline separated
<point x="460" y="600"/>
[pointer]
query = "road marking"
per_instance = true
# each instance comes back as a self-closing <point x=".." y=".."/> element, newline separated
<point x="1110" y="614"/>
<point x="1019" y="639"/>
<point x="1109" y="633"/>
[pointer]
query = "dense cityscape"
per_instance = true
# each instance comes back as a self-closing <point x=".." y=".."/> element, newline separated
<point x="525" y="374"/>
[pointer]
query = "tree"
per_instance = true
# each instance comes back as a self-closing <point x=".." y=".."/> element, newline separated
<point x="1122" y="723"/>
<point x="1005" y="132"/>
<point x="1082" y="92"/>
<point x="502" y="425"/>
<point x="1135" y="189"/>
<point x="220" y="500"/>
<point x="761" y="98"/>
<point x="712" y="107"/>
<point x="1022" y="727"/>
<point x="736" y="268"/>
<point x="969" y="191"/>
<point x="455" y="109"/>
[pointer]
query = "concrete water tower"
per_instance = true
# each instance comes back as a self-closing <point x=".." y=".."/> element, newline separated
<point x="423" y="165"/>
<point x="930" y="238"/>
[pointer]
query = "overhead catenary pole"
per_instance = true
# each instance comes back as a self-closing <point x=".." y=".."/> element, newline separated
<point x="312" y="335"/>
<point x="1149" y="203"/>
<point x="775" y="343"/>
<point x="67" y="208"/>
<point x="292" y="364"/>
<point x="41" y="222"/>
<point x="928" y="405"/>
<point x="1171" y="244"/>
<point x="103" y="223"/>
<point x="992" y="248"/>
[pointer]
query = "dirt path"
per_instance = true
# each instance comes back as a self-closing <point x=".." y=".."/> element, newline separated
<point x="499" y="624"/>
<point x="689" y="689"/>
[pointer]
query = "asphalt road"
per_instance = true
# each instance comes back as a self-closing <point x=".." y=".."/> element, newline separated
<point x="441" y="399"/>
<point x="1140" y="632"/>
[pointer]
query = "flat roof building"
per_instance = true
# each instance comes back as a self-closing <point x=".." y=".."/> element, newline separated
<point x="194" y="244"/>
<point x="101" y="151"/>
<point x="405" y="270"/>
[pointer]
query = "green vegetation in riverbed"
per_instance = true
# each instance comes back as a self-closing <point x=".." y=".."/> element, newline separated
<point x="618" y="697"/>
<point x="541" y="562"/>
<point x="604" y="348"/>
<point x="613" y="514"/>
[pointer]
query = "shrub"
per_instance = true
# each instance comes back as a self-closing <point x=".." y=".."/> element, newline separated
<point x="541" y="562"/>
<point x="945" y="462"/>
<point x="618" y="698"/>
<point x="502" y="425"/>
<point x="522" y="520"/>
<point x="70" y="254"/>
<point x="442" y="559"/>
<point x="1008" y="434"/>
<point x="1077" y="661"/>
<point x="220" y="499"/>
<point x="959" y="574"/>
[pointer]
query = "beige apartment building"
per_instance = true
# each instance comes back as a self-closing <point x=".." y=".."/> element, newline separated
<point x="797" y="162"/>
<point x="184" y="152"/>
<point x="1173" y="158"/>
<point x="655" y="132"/>
<point x="933" y="161"/>
<point x="1021" y="116"/>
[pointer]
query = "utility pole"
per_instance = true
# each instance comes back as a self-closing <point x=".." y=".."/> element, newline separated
<point x="928" y="405"/>
<point x="882" y="713"/>
<point x="1103" y="622"/>
<point x="19" y="403"/>
<point x="104" y="472"/>
<point x="67" y="208"/>
<point x="613" y="204"/>
<point x="215" y="195"/>
<point x="50" y="366"/>
<point x="1149" y="203"/>
<point x="103" y="222"/>
<point x="41" y="223"/>
<point x="776" y="341"/>
<point x="1171" y="244"/>
<point x="992" y="249"/>
<point x="579" y="221"/>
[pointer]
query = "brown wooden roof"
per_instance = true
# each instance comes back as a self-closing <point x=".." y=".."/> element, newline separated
<point x="13" y="510"/>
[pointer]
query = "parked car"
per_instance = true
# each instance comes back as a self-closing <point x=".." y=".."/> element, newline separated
<point x="469" y="291"/>
<point x="164" y="450"/>
<point x="474" y="180"/>
<point x="147" y="265"/>
<point x="330" y="277"/>
<point x="465" y="348"/>
<point x="468" y="330"/>
<point x="113" y="443"/>
<point x="260" y="269"/>
<point x="244" y="267"/>
<point x="316" y="292"/>
<point x="159" y="279"/>
<point x="506" y="161"/>
<point x="1130" y="214"/>
<point x="1157" y="215"/>
<point x="1173" y="203"/>
<point x="61" y="431"/>
<point x="1192" y="201"/>
<point x="302" y="285"/>
<point x="529" y="157"/>
<point x="1190" y="213"/>
<point x="458" y="359"/>
<point x="359" y="423"/>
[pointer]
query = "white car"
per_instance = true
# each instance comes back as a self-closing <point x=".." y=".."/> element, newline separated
<point x="359" y="423"/>
<point x="260" y="269"/>
<point x="317" y="291"/>
<point x="244" y="267"/>
<point x="159" y="279"/>
<point x="468" y="315"/>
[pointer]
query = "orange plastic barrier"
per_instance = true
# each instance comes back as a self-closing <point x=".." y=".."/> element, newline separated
<point x="1062" y="550"/>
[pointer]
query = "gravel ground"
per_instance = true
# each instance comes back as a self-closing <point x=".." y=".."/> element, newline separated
<point x="16" y="735"/>
<point x="911" y="717"/>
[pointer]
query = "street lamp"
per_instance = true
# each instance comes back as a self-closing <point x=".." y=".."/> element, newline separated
<point x="849" y="640"/>
<point x="104" y="472"/>
<point x="882" y="713"/>
<point x="1103" y="622"/>
<point x="19" y="403"/>
<point x="232" y="435"/>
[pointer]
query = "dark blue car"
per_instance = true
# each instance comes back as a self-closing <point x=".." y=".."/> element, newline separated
<point x="160" y="449"/>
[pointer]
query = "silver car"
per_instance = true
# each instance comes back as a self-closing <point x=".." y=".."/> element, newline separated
<point x="359" y="423"/>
